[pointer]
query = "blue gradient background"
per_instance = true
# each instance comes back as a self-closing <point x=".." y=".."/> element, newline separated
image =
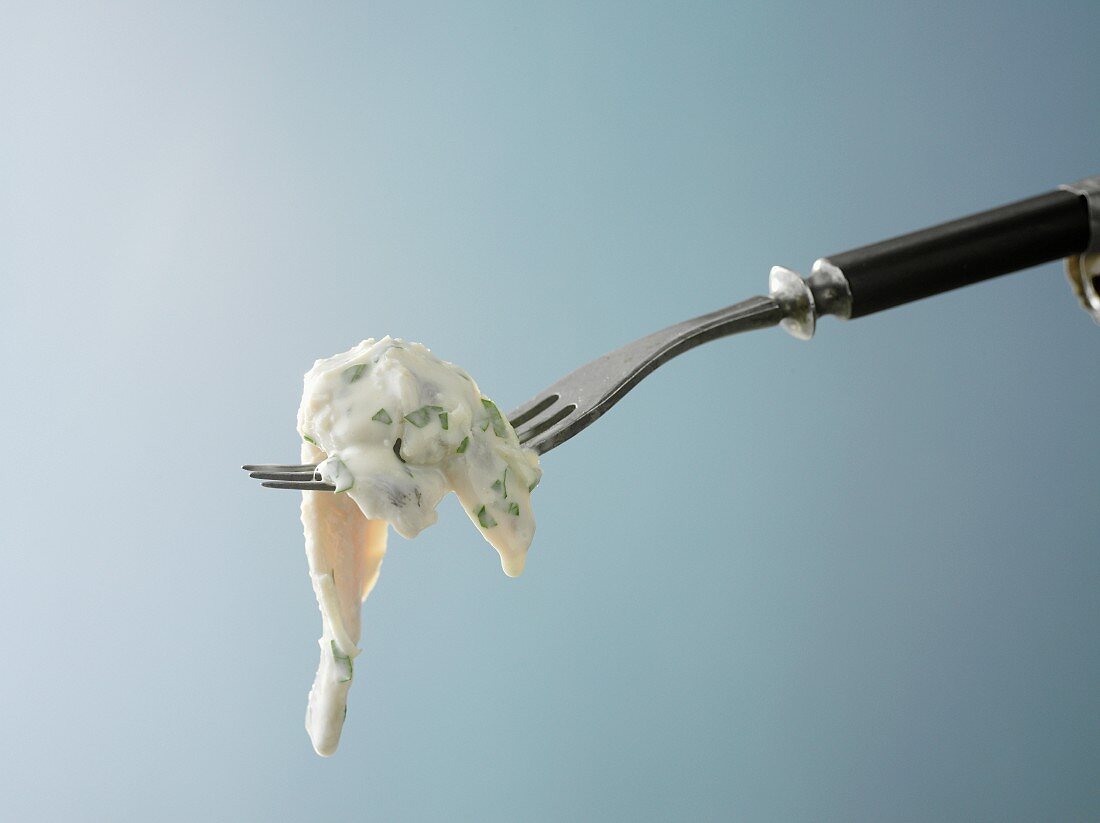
<point x="872" y="596"/>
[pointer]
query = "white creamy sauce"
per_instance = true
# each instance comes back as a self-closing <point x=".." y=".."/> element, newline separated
<point x="395" y="429"/>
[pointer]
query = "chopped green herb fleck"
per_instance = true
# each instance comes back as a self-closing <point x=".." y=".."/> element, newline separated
<point x="534" y="483"/>
<point x="353" y="373"/>
<point x="309" y="439"/>
<point x="382" y="416"/>
<point x="485" y="519"/>
<point x="462" y="446"/>
<point x="501" y="485"/>
<point x="420" y="417"/>
<point x="443" y="420"/>
<point x="485" y="425"/>
<point x="344" y="658"/>
<point x="496" y="486"/>
<point x="513" y="508"/>
<point x="494" y="417"/>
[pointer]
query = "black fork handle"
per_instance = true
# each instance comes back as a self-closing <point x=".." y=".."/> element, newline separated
<point x="1017" y="236"/>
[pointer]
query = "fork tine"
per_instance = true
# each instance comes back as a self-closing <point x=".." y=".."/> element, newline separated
<point x="299" y="485"/>
<point x="277" y="467"/>
<point x="534" y="406"/>
<point x="570" y="425"/>
<point x="544" y="418"/>
<point x="284" y="475"/>
<point x="544" y="425"/>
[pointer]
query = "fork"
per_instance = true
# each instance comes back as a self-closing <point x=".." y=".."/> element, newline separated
<point x="1062" y="223"/>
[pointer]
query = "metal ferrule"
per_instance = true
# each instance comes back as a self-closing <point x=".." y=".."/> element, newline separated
<point x="830" y="289"/>
<point x="793" y="296"/>
<point x="825" y="291"/>
<point x="1083" y="270"/>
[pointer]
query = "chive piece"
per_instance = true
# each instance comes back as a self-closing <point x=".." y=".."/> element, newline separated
<point x="534" y="483"/>
<point x="397" y="449"/>
<point x="496" y="486"/>
<point x="504" y="483"/>
<point x="382" y="416"/>
<point x="309" y="439"/>
<point x="462" y="446"/>
<point x="485" y="425"/>
<point x="347" y="659"/>
<point x="420" y="417"/>
<point x="443" y="420"/>
<point x="485" y="519"/>
<point x="494" y="417"/>
<point x="353" y="373"/>
<point x="513" y="508"/>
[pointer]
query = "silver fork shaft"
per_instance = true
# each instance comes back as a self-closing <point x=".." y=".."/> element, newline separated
<point x="655" y="349"/>
<point x="582" y="396"/>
